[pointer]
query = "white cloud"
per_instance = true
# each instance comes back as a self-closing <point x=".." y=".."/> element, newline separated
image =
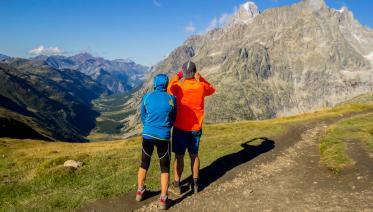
<point x="224" y="19"/>
<point x="41" y="50"/>
<point x="190" y="28"/>
<point x="157" y="3"/>
<point x="212" y="25"/>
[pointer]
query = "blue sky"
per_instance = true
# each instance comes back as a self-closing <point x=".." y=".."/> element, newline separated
<point x="142" y="30"/>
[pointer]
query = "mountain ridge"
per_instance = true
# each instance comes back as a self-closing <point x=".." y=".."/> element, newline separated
<point x="119" y="75"/>
<point x="47" y="102"/>
<point x="286" y="60"/>
<point x="3" y="57"/>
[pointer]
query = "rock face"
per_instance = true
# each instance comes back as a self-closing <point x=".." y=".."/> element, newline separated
<point x="38" y="101"/>
<point x="282" y="61"/>
<point x="119" y="76"/>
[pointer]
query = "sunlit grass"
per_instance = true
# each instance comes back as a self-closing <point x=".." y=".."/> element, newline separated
<point x="30" y="168"/>
<point x="333" y="146"/>
<point x="33" y="178"/>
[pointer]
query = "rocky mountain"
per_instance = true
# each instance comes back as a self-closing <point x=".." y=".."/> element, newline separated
<point x="39" y="101"/>
<point x="277" y="62"/>
<point x="119" y="76"/>
<point x="245" y="14"/>
<point x="3" y="57"/>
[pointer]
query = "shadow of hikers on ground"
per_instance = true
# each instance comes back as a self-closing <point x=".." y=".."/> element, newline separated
<point x="208" y="175"/>
<point x="222" y="165"/>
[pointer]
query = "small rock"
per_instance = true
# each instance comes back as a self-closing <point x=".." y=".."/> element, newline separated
<point x="359" y="177"/>
<point x="72" y="164"/>
<point x="353" y="187"/>
<point x="248" y="192"/>
<point x="315" y="182"/>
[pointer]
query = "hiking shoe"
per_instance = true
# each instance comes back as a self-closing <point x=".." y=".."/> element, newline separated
<point x="175" y="189"/>
<point x="195" y="188"/>
<point x="164" y="203"/>
<point x="140" y="194"/>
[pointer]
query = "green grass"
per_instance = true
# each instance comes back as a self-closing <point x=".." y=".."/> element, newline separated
<point x="32" y="176"/>
<point x="112" y="113"/>
<point x="38" y="175"/>
<point x="109" y="127"/>
<point x="361" y="99"/>
<point x="333" y="147"/>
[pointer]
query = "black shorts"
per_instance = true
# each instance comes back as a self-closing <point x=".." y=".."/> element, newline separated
<point x="163" y="150"/>
<point x="183" y="140"/>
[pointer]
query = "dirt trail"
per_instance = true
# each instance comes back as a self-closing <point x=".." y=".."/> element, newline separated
<point x="286" y="178"/>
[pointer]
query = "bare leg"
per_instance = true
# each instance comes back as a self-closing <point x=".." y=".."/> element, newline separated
<point x="165" y="178"/>
<point x="178" y="167"/>
<point x="141" y="176"/>
<point x="194" y="159"/>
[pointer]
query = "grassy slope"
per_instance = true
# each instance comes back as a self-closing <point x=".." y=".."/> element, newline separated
<point x="32" y="176"/>
<point x="333" y="146"/>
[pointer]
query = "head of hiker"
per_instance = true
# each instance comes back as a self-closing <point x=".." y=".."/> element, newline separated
<point x="160" y="82"/>
<point x="190" y="96"/>
<point x="189" y="70"/>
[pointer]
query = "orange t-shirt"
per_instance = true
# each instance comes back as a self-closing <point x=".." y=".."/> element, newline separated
<point x="190" y="95"/>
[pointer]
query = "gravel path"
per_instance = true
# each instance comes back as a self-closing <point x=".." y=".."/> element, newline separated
<point x="284" y="175"/>
<point x="294" y="181"/>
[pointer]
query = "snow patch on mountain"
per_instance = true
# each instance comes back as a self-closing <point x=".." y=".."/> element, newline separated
<point x="343" y="9"/>
<point x="246" y="13"/>
<point x="315" y="4"/>
<point x="370" y="57"/>
<point x="247" y="5"/>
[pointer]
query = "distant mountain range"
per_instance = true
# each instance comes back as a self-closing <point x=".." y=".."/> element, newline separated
<point x="281" y="61"/>
<point x="49" y="97"/>
<point x="119" y="76"/>
<point x="3" y="57"/>
<point x="278" y="62"/>
<point x="38" y="100"/>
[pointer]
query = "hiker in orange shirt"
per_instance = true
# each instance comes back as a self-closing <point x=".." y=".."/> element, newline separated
<point x="190" y="90"/>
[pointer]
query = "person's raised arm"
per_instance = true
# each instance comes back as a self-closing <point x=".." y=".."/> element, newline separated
<point x="172" y="85"/>
<point x="209" y="89"/>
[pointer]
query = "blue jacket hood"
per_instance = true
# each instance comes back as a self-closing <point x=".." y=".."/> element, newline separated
<point x="160" y="82"/>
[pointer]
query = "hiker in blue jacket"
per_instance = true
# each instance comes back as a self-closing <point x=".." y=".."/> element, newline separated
<point x="158" y="115"/>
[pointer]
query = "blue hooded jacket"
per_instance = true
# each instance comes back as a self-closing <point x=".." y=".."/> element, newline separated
<point x="158" y="110"/>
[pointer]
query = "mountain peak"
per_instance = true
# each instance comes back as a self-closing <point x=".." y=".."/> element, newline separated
<point x="246" y="13"/>
<point x="4" y="57"/>
<point x="343" y="9"/>
<point x="127" y="60"/>
<point x="82" y="57"/>
<point x="315" y="4"/>
<point x="84" y="54"/>
<point x="248" y="5"/>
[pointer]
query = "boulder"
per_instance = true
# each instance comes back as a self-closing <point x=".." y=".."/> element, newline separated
<point x="73" y="164"/>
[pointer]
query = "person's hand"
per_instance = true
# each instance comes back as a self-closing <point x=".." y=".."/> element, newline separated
<point x="180" y="74"/>
<point x="197" y="75"/>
